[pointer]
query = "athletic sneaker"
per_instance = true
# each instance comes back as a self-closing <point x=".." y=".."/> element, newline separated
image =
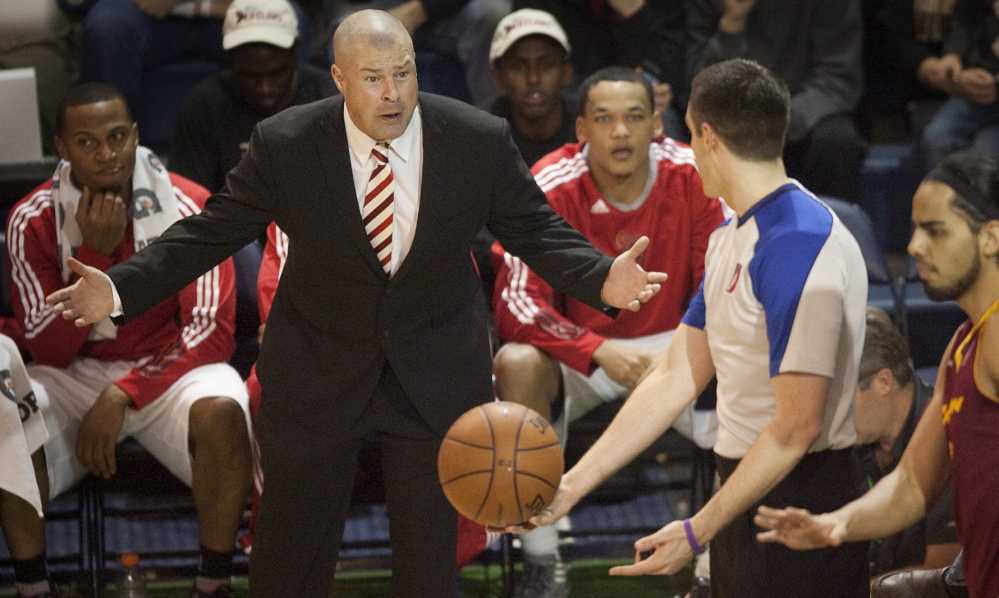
<point x="52" y="593"/>
<point x="223" y="591"/>
<point x="544" y="581"/>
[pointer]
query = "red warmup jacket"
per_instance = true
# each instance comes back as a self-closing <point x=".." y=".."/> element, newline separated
<point x="193" y="328"/>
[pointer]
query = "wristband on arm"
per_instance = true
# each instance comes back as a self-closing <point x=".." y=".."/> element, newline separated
<point x="697" y="548"/>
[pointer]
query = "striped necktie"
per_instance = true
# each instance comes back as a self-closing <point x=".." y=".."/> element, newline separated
<point x="377" y="211"/>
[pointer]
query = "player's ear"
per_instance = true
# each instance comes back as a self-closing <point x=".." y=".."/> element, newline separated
<point x="581" y="135"/>
<point x="657" y="124"/>
<point x="988" y="239"/>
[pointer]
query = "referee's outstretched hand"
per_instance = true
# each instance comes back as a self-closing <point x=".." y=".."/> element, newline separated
<point x="560" y="505"/>
<point x="628" y="285"/>
<point x="799" y="529"/>
<point x="88" y="300"/>
<point x="662" y="553"/>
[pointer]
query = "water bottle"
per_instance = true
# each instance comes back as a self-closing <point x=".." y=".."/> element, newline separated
<point x="131" y="582"/>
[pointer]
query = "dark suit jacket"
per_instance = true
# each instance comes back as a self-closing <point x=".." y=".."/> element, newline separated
<point x="337" y="316"/>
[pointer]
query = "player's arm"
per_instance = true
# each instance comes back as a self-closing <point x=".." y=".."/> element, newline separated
<point x="645" y="416"/>
<point x="895" y="502"/>
<point x="524" y="306"/>
<point x="36" y="272"/>
<point x="207" y="316"/>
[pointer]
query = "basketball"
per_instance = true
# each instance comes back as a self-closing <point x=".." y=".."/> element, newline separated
<point x="500" y="464"/>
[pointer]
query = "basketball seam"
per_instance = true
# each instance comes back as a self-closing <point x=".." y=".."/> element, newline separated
<point x="538" y="448"/>
<point x="478" y="446"/>
<point x="516" y="456"/>
<point x="465" y="475"/>
<point x="537" y="477"/>
<point x="492" y="472"/>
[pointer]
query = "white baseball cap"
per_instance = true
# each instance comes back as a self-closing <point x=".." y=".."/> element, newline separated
<point x="521" y="23"/>
<point x="266" y="21"/>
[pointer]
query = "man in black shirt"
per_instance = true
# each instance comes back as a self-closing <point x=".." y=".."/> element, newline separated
<point x="890" y="400"/>
<point x="215" y="124"/>
<point x="530" y="60"/>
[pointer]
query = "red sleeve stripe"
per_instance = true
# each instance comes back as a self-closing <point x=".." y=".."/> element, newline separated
<point x="38" y="315"/>
<point x="203" y="321"/>
<point x="518" y="301"/>
<point x="669" y="149"/>
<point x="564" y="170"/>
<point x="203" y="314"/>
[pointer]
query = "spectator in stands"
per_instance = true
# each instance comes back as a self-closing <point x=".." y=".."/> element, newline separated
<point x="955" y="242"/>
<point x="37" y="34"/>
<point x="23" y="483"/>
<point x="907" y="69"/>
<point x="123" y="39"/>
<point x="646" y="35"/>
<point x="161" y="379"/>
<point x="815" y="47"/>
<point x="219" y="115"/>
<point x="621" y="181"/>
<point x="890" y="401"/>
<point x="967" y="73"/>
<point x="530" y="60"/>
<point x="461" y="28"/>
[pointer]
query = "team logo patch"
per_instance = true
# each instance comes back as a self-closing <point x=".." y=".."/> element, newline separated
<point x="735" y="279"/>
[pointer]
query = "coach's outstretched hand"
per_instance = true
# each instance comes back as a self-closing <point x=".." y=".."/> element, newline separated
<point x="799" y="529"/>
<point x="87" y="301"/>
<point x="628" y="285"/>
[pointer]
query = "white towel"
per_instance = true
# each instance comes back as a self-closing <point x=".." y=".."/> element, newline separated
<point x="154" y="208"/>
<point x="22" y="429"/>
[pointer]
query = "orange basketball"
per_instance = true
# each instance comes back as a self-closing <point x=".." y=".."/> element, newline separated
<point x="500" y="463"/>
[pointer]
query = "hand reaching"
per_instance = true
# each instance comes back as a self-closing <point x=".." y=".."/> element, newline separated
<point x="558" y="508"/>
<point x="87" y="301"/>
<point x="670" y="552"/>
<point x="736" y="12"/>
<point x="799" y="529"/>
<point x="624" y="364"/>
<point x="628" y="286"/>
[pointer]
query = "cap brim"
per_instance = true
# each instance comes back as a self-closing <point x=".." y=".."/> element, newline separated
<point x="264" y="35"/>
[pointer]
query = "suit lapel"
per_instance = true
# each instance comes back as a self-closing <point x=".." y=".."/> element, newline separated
<point x="433" y="180"/>
<point x="334" y="154"/>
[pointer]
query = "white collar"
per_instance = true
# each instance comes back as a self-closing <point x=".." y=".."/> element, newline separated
<point x="403" y="146"/>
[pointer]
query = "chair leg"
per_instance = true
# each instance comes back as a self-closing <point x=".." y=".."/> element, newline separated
<point x="506" y="564"/>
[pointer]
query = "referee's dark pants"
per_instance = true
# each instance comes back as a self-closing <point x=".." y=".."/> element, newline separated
<point x="741" y="567"/>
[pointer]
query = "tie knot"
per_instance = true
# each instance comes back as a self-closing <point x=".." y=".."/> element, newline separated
<point x="380" y="152"/>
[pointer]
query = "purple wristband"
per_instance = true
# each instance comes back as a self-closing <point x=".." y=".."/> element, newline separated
<point x="697" y="548"/>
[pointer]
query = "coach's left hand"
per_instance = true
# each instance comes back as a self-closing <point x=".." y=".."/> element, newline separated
<point x="671" y="553"/>
<point x="628" y="285"/>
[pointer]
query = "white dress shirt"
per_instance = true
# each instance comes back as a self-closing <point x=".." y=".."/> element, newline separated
<point x="406" y="161"/>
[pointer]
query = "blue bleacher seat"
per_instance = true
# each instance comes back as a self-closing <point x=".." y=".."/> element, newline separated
<point x="881" y="290"/>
